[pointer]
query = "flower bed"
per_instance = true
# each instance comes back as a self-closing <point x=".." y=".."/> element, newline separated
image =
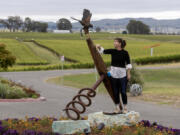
<point x="43" y="126"/>
<point x="12" y="90"/>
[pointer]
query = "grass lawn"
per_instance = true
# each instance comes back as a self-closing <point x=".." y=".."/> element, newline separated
<point x="78" y="49"/>
<point x="22" y="52"/>
<point x="161" y="85"/>
<point x="74" y="46"/>
<point x="97" y="36"/>
<point x="42" y="53"/>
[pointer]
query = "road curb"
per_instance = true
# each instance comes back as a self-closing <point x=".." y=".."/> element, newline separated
<point x="24" y="100"/>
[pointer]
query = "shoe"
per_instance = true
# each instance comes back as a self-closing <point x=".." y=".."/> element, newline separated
<point x="117" y="111"/>
<point x="125" y="110"/>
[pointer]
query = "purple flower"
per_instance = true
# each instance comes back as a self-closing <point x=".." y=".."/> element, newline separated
<point x="15" y="119"/>
<point x="54" y="119"/>
<point x="33" y="119"/>
<point x="154" y="124"/>
<point x="2" y="129"/>
<point x="11" y="132"/>
<point x="6" y="119"/>
<point x="176" y="131"/>
<point x="29" y="132"/>
<point x="146" y="123"/>
<point x="40" y="133"/>
<point x="57" y="134"/>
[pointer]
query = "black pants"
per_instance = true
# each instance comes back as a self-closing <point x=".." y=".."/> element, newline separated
<point x="119" y="85"/>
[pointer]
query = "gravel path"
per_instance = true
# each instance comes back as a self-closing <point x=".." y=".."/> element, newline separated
<point x="58" y="96"/>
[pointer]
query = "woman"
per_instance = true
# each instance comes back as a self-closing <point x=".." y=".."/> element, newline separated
<point x="120" y="71"/>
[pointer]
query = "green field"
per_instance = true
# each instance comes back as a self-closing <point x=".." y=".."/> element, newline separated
<point x="97" y="36"/>
<point x="22" y="52"/>
<point x="160" y="85"/>
<point x="42" y="53"/>
<point x="28" y="53"/>
<point x="78" y="50"/>
<point x="74" y="47"/>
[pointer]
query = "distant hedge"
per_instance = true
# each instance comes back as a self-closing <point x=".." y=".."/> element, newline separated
<point x="157" y="59"/>
<point x="32" y="63"/>
<point x="142" y="61"/>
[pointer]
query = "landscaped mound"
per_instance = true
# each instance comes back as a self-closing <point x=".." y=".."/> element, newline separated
<point x="12" y="90"/>
<point x="43" y="126"/>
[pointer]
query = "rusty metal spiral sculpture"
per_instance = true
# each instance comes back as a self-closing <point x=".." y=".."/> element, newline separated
<point x="102" y="71"/>
<point x="77" y="100"/>
<point x="87" y="93"/>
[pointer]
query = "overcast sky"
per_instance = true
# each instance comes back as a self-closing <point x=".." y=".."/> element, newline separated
<point x="52" y="10"/>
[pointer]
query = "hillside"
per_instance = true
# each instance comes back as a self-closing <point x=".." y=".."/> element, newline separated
<point x="164" y="26"/>
<point x="120" y="24"/>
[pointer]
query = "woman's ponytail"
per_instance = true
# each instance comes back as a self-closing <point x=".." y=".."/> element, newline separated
<point x="123" y="42"/>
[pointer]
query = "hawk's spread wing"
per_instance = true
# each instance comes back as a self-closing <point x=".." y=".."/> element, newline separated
<point x="86" y="16"/>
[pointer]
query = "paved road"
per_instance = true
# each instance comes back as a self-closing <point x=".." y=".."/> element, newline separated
<point x="58" y="96"/>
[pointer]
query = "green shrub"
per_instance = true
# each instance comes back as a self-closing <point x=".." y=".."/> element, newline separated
<point x="7" y="92"/>
<point x="3" y="90"/>
<point x="32" y="63"/>
<point x="157" y="59"/>
<point x="136" y="77"/>
<point x="6" y="58"/>
<point x="34" y="96"/>
<point x="16" y="92"/>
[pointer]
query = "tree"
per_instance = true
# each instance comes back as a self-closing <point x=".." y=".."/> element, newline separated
<point x="6" y="58"/>
<point x="64" y="24"/>
<point x="98" y="29"/>
<point x="5" y="23"/>
<point x="13" y="23"/>
<point x="39" y="26"/>
<point x="124" y="32"/>
<point x="137" y="27"/>
<point x="43" y="27"/>
<point x="27" y="24"/>
<point x="18" y="22"/>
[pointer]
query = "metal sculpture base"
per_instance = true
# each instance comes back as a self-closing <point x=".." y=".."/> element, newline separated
<point x="87" y="93"/>
<point x="112" y="113"/>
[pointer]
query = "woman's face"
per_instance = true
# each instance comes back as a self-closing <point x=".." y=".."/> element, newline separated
<point x="117" y="44"/>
